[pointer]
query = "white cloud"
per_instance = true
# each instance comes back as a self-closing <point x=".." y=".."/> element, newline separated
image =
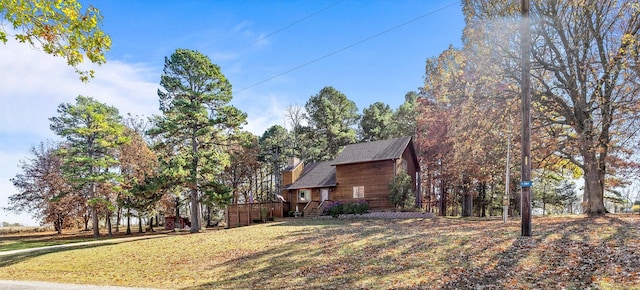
<point x="35" y="83"/>
<point x="262" y="114"/>
<point x="8" y="171"/>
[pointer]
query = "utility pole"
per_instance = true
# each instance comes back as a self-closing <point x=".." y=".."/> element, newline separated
<point x="525" y="184"/>
<point x="505" y="200"/>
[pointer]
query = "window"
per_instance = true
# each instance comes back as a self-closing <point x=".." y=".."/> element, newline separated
<point x="304" y="195"/>
<point x="405" y="165"/>
<point x="358" y="191"/>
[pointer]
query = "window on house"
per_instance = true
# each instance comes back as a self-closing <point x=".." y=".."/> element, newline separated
<point x="358" y="191"/>
<point x="304" y="195"/>
<point x="405" y="165"/>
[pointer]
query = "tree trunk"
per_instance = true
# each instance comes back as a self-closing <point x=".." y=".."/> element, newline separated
<point x="195" y="212"/>
<point x="86" y="218"/>
<point x="94" y="212"/>
<point x="467" y="204"/>
<point x="208" y="215"/>
<point x="594" y="189"/>
<point x="108" y="222"/>
<point x="443" y="200"/>
<point x="151" y="225"/>
<point x="128" y="221"/>
<point x="140" y="224"/>
<point x="57" y="224"/>
<point x="466" y="198"/>
<point x="177" y="208"/>
<point x="483" y="199"/>
<point x="118" y="218"/>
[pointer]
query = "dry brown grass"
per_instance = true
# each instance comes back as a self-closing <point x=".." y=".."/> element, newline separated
<point x="4" y="231"/>
<point x="564" y="252"/>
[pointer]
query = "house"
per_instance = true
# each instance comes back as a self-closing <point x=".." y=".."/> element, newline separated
<point x="361" y="171"/>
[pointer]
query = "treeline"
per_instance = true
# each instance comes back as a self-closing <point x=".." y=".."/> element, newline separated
<point x="191" y="160"/>
<point x="585" y="86"/>
<point x="194" y="158"/>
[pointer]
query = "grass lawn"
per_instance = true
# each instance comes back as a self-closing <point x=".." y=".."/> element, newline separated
<point x="565" y="252"/>
<point x="27" y="240"/>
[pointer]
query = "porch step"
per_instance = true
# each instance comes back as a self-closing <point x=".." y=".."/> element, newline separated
<point x="311" y="213"/>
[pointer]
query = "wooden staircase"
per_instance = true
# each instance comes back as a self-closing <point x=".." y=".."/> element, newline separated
<point x="314" y="208"/>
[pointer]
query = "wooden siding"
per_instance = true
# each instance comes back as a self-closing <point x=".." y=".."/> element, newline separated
<point x="374" y="176"/>
<point x="411" y="166"/>
<point x="289" y="177"/>
<point x="411" y="170"/>
<point x="315" y="196"/>
<point x="238" y="215"/>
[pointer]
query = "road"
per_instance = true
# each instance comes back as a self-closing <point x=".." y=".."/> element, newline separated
<point x="36" y="285"/>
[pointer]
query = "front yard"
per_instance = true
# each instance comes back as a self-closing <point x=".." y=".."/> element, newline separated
<point x="565" y="252"/>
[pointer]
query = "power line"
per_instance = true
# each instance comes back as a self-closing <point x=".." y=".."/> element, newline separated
<point x="348" y="46"/>
<point x="289" y="25"/>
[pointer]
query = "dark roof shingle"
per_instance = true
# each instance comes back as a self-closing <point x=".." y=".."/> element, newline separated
<point x="314" y="175"/>
<point x="372" y="151"/>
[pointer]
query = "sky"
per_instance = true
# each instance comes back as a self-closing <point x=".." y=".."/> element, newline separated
<point x="274" y="53"/>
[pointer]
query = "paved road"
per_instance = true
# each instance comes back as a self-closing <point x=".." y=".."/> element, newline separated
<point x="97" y="242"/>
<point x="34" y="285"/>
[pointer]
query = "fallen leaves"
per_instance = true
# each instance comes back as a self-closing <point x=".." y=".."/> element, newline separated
<point x="564" y="252"/>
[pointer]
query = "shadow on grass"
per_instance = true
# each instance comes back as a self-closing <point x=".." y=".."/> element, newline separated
<point x="561" y="255"/>
<point x="28" y="241"/>
<point x="334" y="265"/>
<point x="439" y="253"/>
<point x="7" y="260"/>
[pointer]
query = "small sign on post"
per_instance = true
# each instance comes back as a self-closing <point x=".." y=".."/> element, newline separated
<point x="526" y="183"/>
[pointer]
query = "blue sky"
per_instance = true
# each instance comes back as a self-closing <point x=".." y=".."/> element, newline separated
<point x="239" y="37"/>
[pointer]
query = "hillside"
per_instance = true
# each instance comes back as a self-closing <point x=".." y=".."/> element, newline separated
<point x="564" y="252"/>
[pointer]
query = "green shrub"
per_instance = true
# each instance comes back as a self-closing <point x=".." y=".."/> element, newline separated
<point x="337" y="208"/>
<point x="401" y="191"/>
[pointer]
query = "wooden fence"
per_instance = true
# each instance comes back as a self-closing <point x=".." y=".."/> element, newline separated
<point x="238" y="215"/>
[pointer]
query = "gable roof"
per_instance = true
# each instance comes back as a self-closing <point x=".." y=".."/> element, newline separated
<point x="373" y="151"/>
<point x="314" y="175"/>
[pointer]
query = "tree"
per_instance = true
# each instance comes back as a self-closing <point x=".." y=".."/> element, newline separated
<point x="273" y="155"/>
<point x="139" y="166"/>
<point x="330" y="116"/>
<point x="403" y="121"/>
<point x="585" y="80"/>
<point x="93" y="131"/>
<point x="438" y="110"/>
<point x="194" y="101"/>
<point x="61" y="28"/>
<point x="295" y="117"/>
<point x="567" y="194"/>
<point x="401" y="191"/>
<point x="243" y="164"/>
<point x="376" y="122"/>
<point x="43" y="190"/>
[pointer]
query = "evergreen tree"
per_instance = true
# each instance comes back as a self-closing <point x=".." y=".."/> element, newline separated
<point x="194" y="101"/>
<point x="93" y="131"/>
<point x="331" y="117"/>
<point x="376" y="122"/>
